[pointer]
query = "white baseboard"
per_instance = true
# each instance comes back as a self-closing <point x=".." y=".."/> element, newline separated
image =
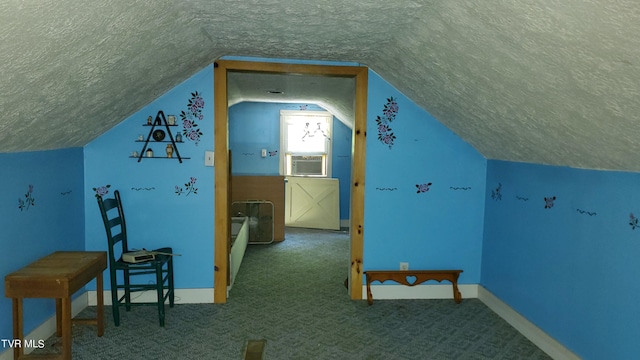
<point x="182" y="296"/>
<point x="439" y="291"/>
<point x="48" y="328"/>
<point x="536" y="335"/>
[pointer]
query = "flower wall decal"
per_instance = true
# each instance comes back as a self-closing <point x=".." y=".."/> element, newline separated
<point x="191" y="116"/>
<point x="102" y="190"/>
<point x="389" y="112"/>
<point x="28" y="201"/>
<point x="190" y="188"/>
<point x="548" y="202"/>
<point x="423" y="187"/>
<point x="496" y="194"/>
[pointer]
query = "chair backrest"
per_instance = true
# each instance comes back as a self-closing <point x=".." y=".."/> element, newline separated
<point x="114" y="224"/>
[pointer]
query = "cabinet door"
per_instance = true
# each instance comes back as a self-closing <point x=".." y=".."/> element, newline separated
<point x="312" y="203"/>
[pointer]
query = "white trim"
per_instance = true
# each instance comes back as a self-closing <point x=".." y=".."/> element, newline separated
<point x="48" y="327"/>
<point x="182" y="296"/>
<point x="536" y="335"/>
<point x="444" y="291"/>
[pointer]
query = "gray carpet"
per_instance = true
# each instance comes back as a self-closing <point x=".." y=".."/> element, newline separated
<point x="292" y="295"/>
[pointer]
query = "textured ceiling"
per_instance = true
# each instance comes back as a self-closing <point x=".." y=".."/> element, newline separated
<point x="335" y="94"/>
<point x="547" y="81"/>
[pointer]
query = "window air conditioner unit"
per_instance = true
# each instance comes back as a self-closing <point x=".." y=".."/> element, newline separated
<point x="307" y="165"/>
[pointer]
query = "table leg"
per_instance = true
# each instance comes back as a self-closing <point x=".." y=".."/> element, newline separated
<point x="100" y="310"/>
<point x="66" y="328"/>
<point x="18" y="331"/>
<point x="58" y="317"/>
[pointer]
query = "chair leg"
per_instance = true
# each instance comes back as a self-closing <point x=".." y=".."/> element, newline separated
<point x="171" y="287"/>
<point x="127" y="290"/>
<point x="160" y="290"/>
<point x="114" y="299"/>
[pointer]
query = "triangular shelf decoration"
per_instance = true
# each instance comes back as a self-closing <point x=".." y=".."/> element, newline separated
<point x="158" y="136"/>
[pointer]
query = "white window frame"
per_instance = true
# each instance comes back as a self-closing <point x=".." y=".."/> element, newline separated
<point x="287" y="117"/>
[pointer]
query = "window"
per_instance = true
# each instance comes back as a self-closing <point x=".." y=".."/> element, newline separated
<point x="305" y="143"/>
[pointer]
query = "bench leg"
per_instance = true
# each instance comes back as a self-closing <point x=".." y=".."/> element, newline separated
<point x="457" y="296"/>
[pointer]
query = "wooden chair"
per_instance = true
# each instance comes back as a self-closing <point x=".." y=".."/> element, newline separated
<point x="161" y="266"/>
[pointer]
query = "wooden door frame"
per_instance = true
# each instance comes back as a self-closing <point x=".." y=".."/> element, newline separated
<point x="221" y="158"/>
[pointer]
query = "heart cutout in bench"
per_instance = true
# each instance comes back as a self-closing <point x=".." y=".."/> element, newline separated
<point x="411" y="279"/>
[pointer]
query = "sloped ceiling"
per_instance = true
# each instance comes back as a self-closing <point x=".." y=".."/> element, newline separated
<point x="546" y="81"/>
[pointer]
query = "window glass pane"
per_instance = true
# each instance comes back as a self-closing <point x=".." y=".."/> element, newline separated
<point x="304" y="137"/>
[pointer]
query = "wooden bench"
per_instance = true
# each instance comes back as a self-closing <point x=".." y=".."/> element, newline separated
<point x="412" y="278"/>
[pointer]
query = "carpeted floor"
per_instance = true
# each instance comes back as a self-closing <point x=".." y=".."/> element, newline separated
<point x="292" y="295"/>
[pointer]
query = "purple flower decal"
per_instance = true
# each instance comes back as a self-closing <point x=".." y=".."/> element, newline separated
<point x="28" y="199"/>
<point x="189" y="117"/>
<point x="548" y="202"/>
<point x="389" y="112"/>
<point x="388" y="139"/>
<point x="194" y="135"/>
<point x="190" y="188"/>
<point x="496" y="194"/>
<point x="102" y="190"/>
<point x="423" y="187"/>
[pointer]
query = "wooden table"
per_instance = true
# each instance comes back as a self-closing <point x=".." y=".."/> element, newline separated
<point x="58" y="276"/>
<point x="412" y="278"/>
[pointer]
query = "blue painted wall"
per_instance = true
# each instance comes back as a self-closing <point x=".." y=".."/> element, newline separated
<point x="54" y="222"/>
<point x="438" y="228"/>
<point x="255" y="126"/>
<point x="157" y="215"/>
<point x="571" y="269"/>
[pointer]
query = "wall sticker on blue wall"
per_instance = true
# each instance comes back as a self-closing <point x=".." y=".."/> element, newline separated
<point x="497" y="194"/>
<point x="423" y="187"/>
<point x="389" y="112"/>
<point x="273" y="153"/>
<point x="101" y="190"/>
<point x="464" y="188"/>
<point x="548" y="202"/>
<point x="585" y="212"/>
<point x="189" y="117"/>
<point x="633" y="221"/>
<point x="28" y="200"/>
<point x="143" y="188"/>
<point x="190" y="188"/>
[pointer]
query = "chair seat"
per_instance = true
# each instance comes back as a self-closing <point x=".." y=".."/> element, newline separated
<point x="149" y="264"/>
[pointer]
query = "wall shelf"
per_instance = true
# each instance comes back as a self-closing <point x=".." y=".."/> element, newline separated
<point x="160" y="122"/>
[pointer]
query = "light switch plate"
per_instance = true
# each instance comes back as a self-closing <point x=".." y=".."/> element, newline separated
<point x="208" y="158"/>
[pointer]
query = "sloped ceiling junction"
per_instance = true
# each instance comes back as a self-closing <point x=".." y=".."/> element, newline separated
<point x="547" y="81"/>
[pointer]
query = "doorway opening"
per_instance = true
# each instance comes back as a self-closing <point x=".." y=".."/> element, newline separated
<point x="223" y="174"/>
